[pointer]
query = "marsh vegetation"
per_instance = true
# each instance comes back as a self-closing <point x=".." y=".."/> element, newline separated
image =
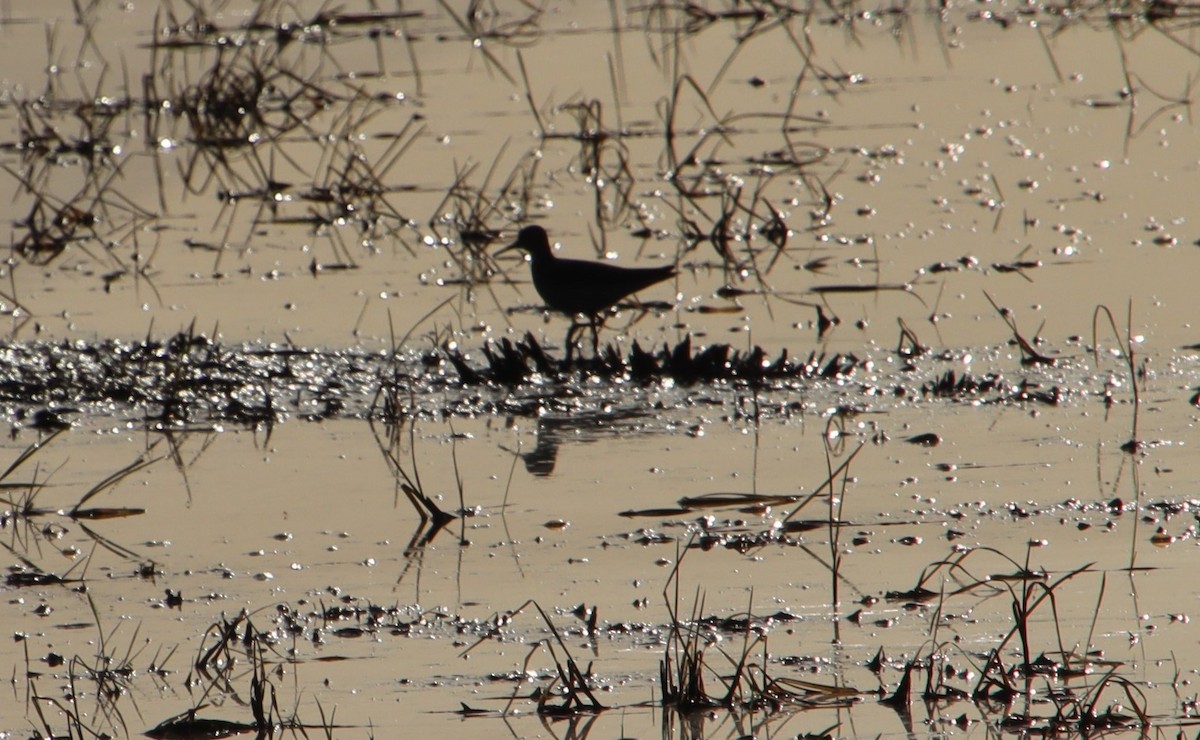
<point x="899" y="442"/>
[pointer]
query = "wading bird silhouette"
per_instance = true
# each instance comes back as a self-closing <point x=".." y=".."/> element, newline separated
<point x="579" y="287"/>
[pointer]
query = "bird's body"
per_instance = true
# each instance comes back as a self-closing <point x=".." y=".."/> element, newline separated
<point x="580" y="287"/>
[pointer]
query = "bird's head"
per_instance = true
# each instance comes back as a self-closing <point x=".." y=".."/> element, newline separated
<point x="532" y="239"/>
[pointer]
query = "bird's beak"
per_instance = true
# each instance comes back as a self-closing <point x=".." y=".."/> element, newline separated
<point x="507" y="248"/>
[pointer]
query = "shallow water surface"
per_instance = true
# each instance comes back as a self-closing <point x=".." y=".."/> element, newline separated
<point x="255" y="314"/>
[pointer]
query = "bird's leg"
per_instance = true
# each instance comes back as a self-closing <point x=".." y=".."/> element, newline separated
<point x="595" y="324"/>
<point x="569" y="342"/>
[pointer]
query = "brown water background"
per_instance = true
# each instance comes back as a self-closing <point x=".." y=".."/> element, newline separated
<point x="928" y="156"/>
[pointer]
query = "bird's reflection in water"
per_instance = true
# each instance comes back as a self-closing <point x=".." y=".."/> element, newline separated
<point x="553" y="431"/>
<point x="541" y="460"/>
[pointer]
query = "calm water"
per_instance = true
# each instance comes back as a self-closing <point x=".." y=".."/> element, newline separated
<point x="288" y="183"/>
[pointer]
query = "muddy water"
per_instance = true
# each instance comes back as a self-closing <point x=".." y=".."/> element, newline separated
<point x="946" y="158"/>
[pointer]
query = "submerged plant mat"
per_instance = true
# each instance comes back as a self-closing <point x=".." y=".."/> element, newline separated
<point x="869" y="465"/>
